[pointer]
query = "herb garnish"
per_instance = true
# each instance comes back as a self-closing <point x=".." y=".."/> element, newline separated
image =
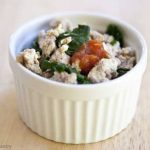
<point x="122" y="71"/>
<point x="116" y="33"/>
<point x="113" y="42"/>
<point x="60" y="67"/>
<point x="79" y="36"/>
<point x="35" y="45"/>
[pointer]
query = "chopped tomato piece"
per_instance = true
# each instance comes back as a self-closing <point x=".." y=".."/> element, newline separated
<point x="88" y="62"/>
<point x="96" y="48"/>
<point x="88" y="55"/>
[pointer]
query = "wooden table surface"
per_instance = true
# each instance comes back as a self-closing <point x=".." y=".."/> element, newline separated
<point x="13" y="133"/>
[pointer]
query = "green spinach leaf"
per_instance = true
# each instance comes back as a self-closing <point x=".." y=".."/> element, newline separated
<point x="79" y="36"/>
<point x="113" y="42"/>
<point x="35" y="45"/>
<point x="122" y="71"/>
<point x="116" y="32"/>
<point x="60" y="67"/>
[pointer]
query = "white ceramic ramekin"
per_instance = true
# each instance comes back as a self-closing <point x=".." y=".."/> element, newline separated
<point x="76" y="113"/>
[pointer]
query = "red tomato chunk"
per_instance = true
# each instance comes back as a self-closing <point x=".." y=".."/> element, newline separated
<point x="88" y="55"/>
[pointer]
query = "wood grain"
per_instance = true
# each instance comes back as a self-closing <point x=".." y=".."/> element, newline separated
<point x="14" y="134"/>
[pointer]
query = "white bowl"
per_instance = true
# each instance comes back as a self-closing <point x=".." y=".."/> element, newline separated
<point x="76" y="113"/>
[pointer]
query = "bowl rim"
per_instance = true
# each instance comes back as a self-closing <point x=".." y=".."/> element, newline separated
<point x="140" y="64"/>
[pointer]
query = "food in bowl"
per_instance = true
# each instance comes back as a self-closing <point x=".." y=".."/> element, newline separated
<point x="79" y="55"/>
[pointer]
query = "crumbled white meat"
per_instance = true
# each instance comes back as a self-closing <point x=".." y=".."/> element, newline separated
<point x="29" y="58"/>
<point x="63" y="48"/>
<point x="127" y="51"/>
<point x="56" y="31"/>
<point x="66" y="24"/>
<point x="108" y="38"/>
<point x="47" y="74"/>
<point x="60" y="57"/>
<point x="76" y="65"/>
<point x="96" y="36"/>
<point x="66" y="40"/>
<point x="41" y="38"/>
<point x="104" y="70"/>
<point x="127" y="57"/>
<point x="46" y="43"/>
<point x="65" y="77"/>
<point x="112" y="49"/>
<point x="47" y="39"/>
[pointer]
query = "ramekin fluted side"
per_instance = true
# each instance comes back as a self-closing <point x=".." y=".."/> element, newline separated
<point x="73" y="121"/>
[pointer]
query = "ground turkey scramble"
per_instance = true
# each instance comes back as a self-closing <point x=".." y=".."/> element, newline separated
<point x="78" y="55"/>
